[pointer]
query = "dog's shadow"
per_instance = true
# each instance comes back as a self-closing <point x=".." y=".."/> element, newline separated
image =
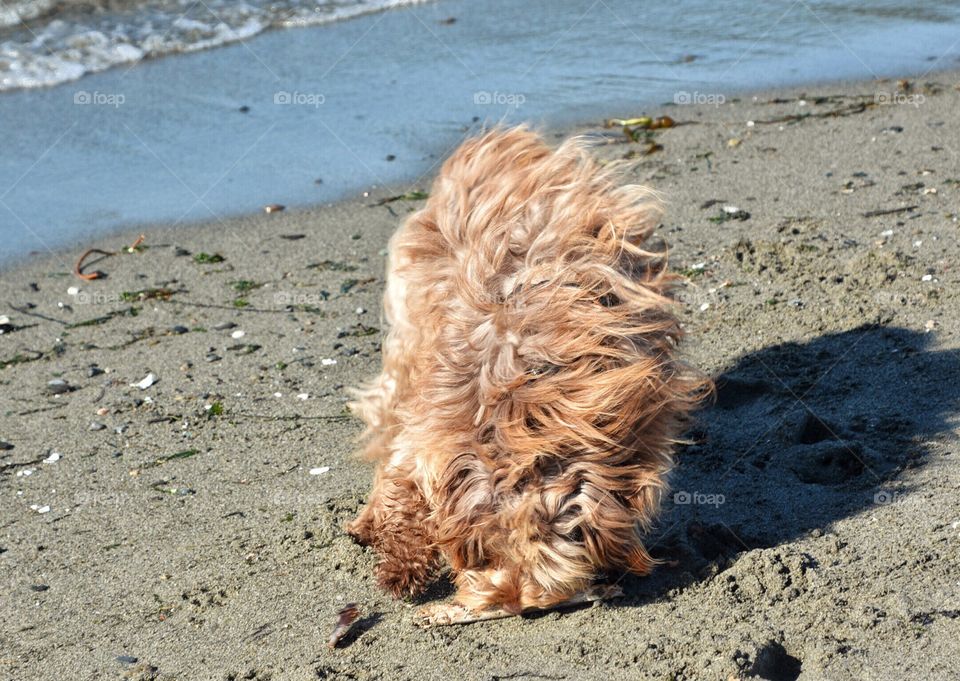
<point x="800" y="436"/>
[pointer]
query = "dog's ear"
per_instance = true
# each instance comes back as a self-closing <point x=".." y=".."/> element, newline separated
<point x="402" y="537"/>
<point x="464" y="499"/>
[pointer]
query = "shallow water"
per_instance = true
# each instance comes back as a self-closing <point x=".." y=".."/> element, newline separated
<point x="308" y="115"/>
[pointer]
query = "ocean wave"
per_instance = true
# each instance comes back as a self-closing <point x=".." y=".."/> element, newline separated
<point x="45" y="43"/>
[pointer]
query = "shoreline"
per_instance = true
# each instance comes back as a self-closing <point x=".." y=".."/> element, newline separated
<point x="372" y="193"/>
<point x="176" y="462"/>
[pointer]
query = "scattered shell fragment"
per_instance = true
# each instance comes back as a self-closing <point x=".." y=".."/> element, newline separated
<point x="147" y="381"/>
<point x="72" y="291"/>
<point x="926" y="277"/>
<point x="345" y="619"/>
<point x="328" y="361"/>
<point x="303" y="396"/>
<point x="52" y="458"/>
<point x="320" y="470"/>
<point x="239" y="333"/>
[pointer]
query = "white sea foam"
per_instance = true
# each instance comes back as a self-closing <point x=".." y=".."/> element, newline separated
<point x="46" y="43"/>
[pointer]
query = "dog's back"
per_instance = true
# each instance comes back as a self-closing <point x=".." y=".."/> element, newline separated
<point x="535" y="397"/>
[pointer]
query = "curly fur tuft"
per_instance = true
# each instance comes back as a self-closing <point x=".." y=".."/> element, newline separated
<point x="524" y="422"/>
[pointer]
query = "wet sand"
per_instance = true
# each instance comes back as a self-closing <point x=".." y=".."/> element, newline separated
<point x="191" y="529"/>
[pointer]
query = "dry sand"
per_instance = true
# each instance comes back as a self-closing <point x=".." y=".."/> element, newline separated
<point x="191" y="530"/>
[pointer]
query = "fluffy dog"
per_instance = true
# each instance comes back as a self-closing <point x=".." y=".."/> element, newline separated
<point x="524" y="422"/>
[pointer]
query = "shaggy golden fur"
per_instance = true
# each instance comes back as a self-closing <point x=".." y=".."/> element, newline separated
<point x="524" y="421"/>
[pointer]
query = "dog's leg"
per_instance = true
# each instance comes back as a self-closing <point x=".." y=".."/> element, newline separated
<point x="444" y="614"/>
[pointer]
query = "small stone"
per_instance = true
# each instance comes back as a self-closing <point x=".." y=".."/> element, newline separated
<point x="4" y="320"/>
<point x="186" y="366"/>
<point x="303" y="396"/>
<point x="93" y="371"/>
<point x="926" y="277"/>
<point x="213" y="357"/>
<point x="328" y="361"/>
<point x="181" y="252"/>
<point x="223" y="326"/>
<point x="39" y="588"/>
<point x="5" y="446"/>
<point x="930" y="325"/>
<point x="96" y="425"/>
<point x="239" y="333"/>
<point x="58" y="386"/>
<point x="360" y="310"/>
<point x="126" y="659"/>
<point x="319" y="471"/>
<point x="178" y="330"/>
<point x="103" y="411"/>
<point x="72" y="291"/>
<point x="52" y="458"/>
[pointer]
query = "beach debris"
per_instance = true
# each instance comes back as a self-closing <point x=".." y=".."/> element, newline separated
<point x="39" y="509"/>
<point x="293" y="237"/>
<point x="126" y="659"/>
<point x="345" y="619"/>
<point x="408" y="196"/>
<point x="930" y="325"/>
<point x="52" y="457"/>
<point x="179" y="330"/>
<point x="889" y="211"/>
<point x="224" y="326"/>
<point x="97" y="274"/>
<point x="734" y="142"/>
<point x="274" y="208"/>
<point x="303" y="396"/>
<point x="319" y="470"/>
<point x="360" y="310"/>
<point x="212" y="357"/>
<point x="96" y="425"/>
<point x="239" y="333"/>
<point x="26" y="472"/>
<point x="73" y="291"/>
<point x="208" y="258"/>
<point x="328" y="361"/>
<point x="58" y="386"/>
<point x="5" y="446"/>
<point x="926" y="277"/>
<point x="145" y="382"/>
<point x="446" y="614"/>
<point x="728" y="213"/>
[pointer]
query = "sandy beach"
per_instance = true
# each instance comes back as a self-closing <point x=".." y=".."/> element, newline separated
<point x="176" y="457"/>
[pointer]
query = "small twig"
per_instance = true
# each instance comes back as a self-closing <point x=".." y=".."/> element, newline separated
<point x="889" y="211"/>
<point x="446" y="614"/>
<point x="78" y="268"/>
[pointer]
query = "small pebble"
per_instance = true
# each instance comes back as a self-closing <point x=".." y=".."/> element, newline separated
<point x="126" y="659"/>
<point x="39" y="509"/>
<point x="239" y="333"/>
<point x="95" y="425"/>
<point x="72" y="291"/>
<point x="181" y="252"/>
<point x="52" y="458"/>
<point x="223" y="326"/>
<point x="102" y="411"/>
<point x="328" y="361"/>
<point x="319" y="471"/>
<point x="926" y="277"/>
<point x="213" y="357"/>
<point x="4" y="319"/>
<point x="39" y="588"/>
<point x="93" y="370"/>
<point x="303" y="396"/>
<point x="5" y="446"/>
<point x="705" y="307"/>
<point x="58" y="386"/>
<point x="178" y="330"/>
<point x="360" y="310"/>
